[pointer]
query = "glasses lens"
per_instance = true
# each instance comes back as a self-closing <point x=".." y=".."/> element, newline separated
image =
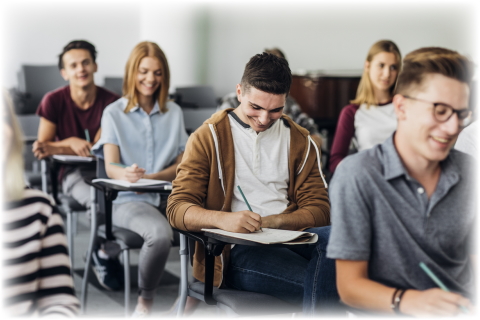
<point x="464" y="114"/>
<point x="442" y="112"/>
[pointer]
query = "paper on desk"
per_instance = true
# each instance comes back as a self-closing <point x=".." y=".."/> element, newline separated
<point x="139" y="183"/>
<point x="271" y="236"/>
<point x="66" y="157"/>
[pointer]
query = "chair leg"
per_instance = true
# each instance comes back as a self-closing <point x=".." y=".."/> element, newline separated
<point x="91" y="244"/>
<point x="70" y="240"/>
<point x="183" y="275"/>
<point x="43" y="165"/>
<point x="74" y="222"/>
<point x="126" y="270"/>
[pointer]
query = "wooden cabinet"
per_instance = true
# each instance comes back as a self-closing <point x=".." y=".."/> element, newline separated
<point x="323" y="95"/>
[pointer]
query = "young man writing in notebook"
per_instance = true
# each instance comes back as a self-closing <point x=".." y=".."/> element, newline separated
<point x="411" y="200"/>
<point x="277" y="165"/>
<point x="70" y="124"/>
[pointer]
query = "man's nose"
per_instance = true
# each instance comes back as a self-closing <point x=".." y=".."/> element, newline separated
<point x="263" y="118"/>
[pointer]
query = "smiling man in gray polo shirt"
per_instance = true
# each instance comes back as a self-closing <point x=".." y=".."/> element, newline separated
<point x="410" y="199"/>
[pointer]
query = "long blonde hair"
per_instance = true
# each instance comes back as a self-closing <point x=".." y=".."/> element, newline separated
<point x="12" y="171"/>
<point x="365" y="89"/>
<point x="142" y="50"/>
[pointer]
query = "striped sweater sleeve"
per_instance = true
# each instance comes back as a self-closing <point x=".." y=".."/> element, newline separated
<point x="36" y="267"/>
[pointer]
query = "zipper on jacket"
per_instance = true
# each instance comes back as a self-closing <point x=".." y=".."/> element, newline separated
<point x="310" y="140"/>
<point x="220" y="172"/>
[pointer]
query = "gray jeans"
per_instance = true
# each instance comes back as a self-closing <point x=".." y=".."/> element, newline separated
<point x="153" y="227"/>
<point x="73" y="185"/>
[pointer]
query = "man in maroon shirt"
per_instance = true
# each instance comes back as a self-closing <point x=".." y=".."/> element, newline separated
<point x="66" y="116"/>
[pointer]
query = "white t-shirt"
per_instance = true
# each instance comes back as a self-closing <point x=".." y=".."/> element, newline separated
<point x="261" y="167"/>
<point x="374" y="125"/>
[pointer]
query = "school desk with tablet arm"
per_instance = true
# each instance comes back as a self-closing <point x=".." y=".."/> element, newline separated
<point x="50" y="167"/>
<point x="214" y="240"/>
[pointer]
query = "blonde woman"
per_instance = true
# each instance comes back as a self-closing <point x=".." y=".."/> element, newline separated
<point x="370" y="118"/>
<point x="36" y="268"/>
<point x="147" y="133"/>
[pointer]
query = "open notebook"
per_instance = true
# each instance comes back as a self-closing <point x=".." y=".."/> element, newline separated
<point x="66" y="157"/>
<point x="271" y="236"/>
<point x="140" y="183"/>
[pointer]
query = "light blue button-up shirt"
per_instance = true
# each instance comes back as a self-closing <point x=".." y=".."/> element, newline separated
<point x="152" y="141"/>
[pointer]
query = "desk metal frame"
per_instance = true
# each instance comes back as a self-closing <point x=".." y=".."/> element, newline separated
<point x="110" y="193"/>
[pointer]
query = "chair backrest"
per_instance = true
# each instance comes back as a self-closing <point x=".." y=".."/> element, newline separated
<point x="114" y="84"/>
<point x="198" y="104"/>
<point x="35" y="81"/>
<point x="29" y="124"/>
<point x="197" y="97"/>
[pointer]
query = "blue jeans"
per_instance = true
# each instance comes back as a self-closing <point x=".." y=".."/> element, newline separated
<point x="298" y="275"/>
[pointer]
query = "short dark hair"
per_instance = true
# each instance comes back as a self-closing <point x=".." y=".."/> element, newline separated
<point x="433" y="60"/>
<point x="276" y="51"/>
<point x="77" y="44"/>
<point x="268" y="73"/>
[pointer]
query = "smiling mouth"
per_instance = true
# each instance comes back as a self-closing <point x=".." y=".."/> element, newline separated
<point x="441" y="140"/>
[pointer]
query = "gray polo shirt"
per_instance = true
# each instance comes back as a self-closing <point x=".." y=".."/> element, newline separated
<point x="382" y="215"/>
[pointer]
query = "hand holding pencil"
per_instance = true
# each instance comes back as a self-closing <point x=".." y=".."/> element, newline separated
<point x="248" y="204"/>
<point x="131" y="173"/>
<point x="435" y="302"/>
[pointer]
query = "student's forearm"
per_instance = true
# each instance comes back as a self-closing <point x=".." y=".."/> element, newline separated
<point x="356" y="289"/>
<point x="60" y="147"/>
<point x="299" y="219"/>
<point x="114" y="172"/>
<point x="245" y="221"/>
<point x="167" y="174"/>
<point x="197" y="217"/>
<point x="366" y="294"/>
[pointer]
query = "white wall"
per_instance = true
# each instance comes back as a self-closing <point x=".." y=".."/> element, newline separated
<point x="34" y="32"/>
<point x="171" y="25"/>
<point x="210" y="42"/>
<point x="329" y="36"/>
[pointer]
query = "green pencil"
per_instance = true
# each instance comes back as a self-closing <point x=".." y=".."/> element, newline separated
<point x="87" y="135"/>
<point x="118" y="165"/>
<point x="246" y="201"/>
<point x="438" y="281"/>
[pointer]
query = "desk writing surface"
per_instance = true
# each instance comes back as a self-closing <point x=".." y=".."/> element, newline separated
<point x="267" y="236"/>
<point x="167" y="185"/>
<point x="104" y="184"/>
<point x="72" y="158"/>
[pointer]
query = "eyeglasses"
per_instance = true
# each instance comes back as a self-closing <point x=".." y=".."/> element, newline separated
<point x="442" y="112"/>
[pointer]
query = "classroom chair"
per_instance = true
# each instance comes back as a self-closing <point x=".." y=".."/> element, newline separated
<point x="125" y="238"/>
<point x="230" y="301"/>
<point x="68" y="206"/>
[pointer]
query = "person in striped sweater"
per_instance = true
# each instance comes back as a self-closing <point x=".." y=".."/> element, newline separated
<point x="36" y="269"/>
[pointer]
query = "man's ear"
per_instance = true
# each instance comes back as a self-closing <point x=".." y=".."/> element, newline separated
<point x="239" y="92"/>
<point x="64" y="74"/>
<point x="399" y="106"/>
<point x="95" y="67"/>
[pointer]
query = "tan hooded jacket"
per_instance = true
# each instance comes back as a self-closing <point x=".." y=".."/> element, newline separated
<point x="206" y="178"/>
